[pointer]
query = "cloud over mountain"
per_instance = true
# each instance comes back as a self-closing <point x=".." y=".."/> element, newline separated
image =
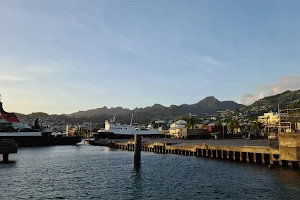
<point x="248" y="99"/>
<point x="284" y="83"/>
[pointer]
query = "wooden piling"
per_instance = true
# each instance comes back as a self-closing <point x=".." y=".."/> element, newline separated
<point x="137" y="150"/>
<point x="5" y="157"/>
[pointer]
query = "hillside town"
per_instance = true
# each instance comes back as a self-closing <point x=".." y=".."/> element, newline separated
<point x="193" y="127"/>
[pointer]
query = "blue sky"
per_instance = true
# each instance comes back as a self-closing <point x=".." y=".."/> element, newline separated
<point x="65" y="56"/>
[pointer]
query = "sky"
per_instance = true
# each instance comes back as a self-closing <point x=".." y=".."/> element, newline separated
<point x="62" y="56"/>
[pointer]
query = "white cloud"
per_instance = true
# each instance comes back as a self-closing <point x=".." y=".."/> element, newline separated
<point x="205" y="62"/>
<point x="248" y="99"/>
<point x="97" y="22"/>
<point x="284" y="83"/>
<point x="212" y="61"/>
<point x="18" y="73"/>
<point x="41" y="70"/>
<point x="11" y="78"/>
<point x="74" y="20"/>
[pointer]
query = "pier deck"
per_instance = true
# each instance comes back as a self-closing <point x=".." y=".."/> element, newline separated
<point x="252" y="151"/>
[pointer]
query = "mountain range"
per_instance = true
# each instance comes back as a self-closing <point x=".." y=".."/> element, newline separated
<point x="206" y="107"/>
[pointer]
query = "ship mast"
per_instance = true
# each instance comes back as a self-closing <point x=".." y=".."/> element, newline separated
<point x="131" y="119"/>
<point x="90" y="129"/>
<point x="279" y="125"/>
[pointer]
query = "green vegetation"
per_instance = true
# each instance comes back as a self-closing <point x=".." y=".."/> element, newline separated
<point x="190" y="122"/>
<point x="287" y="99"/>
<point x="257" y="126"/>
<point x="232" y="125"/>
<point x="218" y="124"/>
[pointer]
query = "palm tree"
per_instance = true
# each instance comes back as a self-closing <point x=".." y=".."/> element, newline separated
<point x="203" y="126"/>
<point x="191" y="122"/>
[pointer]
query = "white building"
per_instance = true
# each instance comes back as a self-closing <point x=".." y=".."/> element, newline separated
<point x="269" y="119"/>
<point x="177" y="128"/>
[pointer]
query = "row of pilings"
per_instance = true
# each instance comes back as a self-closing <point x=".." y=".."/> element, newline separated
<point x="269" y="157"/>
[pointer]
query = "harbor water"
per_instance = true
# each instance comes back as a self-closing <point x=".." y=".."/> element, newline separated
<point x="93" y="172"/>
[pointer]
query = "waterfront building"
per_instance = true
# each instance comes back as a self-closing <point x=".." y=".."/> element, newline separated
<point x="269" y="119"/>
<point x="179" y="130"/>
<point x="176" y="129"/>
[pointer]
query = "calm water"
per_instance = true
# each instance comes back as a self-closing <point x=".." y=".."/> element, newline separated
<point x="88" y="172"/>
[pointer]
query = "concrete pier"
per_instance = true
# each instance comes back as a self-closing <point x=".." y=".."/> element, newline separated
<point x="7" y="147"/>
<point x="286" y="154"/>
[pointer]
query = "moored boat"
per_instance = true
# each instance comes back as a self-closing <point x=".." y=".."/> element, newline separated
<point x="23" y="134"/>
<point x="116" y="130"/>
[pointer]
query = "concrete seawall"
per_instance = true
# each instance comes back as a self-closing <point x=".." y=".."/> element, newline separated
<point x="267" y="155"/>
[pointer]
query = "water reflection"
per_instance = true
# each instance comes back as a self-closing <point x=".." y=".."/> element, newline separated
<point x="137" y="189"/>
<point x="9" y="163"/>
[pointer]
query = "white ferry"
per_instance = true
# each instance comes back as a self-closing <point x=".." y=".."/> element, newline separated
<point x="114" y="129"/>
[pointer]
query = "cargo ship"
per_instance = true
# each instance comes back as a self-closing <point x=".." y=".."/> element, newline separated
<point x="30" y="135"/>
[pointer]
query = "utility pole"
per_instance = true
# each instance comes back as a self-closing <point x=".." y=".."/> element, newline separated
<point x="223" y="128"/>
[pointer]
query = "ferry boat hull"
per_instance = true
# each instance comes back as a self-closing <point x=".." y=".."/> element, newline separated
<point x="115" y="130"/>
<point x="111" y="135"/>
<point x="24" y="135"/>
<point x="31" y="139"/>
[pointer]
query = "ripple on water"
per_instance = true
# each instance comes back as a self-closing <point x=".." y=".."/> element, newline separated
<point x="87" y="172"/>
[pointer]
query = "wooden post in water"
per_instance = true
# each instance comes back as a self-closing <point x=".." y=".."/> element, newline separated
<point x="5" y="158"/>
<point x="137" y="150"/>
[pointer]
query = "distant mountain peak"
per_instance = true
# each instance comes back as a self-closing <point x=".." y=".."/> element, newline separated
<point x="156" y="105"/>
<point x="208" y="105"/>
<point x="209" y="99"/>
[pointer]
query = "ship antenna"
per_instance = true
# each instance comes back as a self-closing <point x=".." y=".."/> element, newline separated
<point x="131" y="119"/>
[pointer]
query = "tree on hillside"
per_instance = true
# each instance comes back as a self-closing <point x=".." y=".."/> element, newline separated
<point x="257" y="126"/>
<point x="153" y="122"/>
<point x="237" y="124"/>
<point x="232" y="125"/>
